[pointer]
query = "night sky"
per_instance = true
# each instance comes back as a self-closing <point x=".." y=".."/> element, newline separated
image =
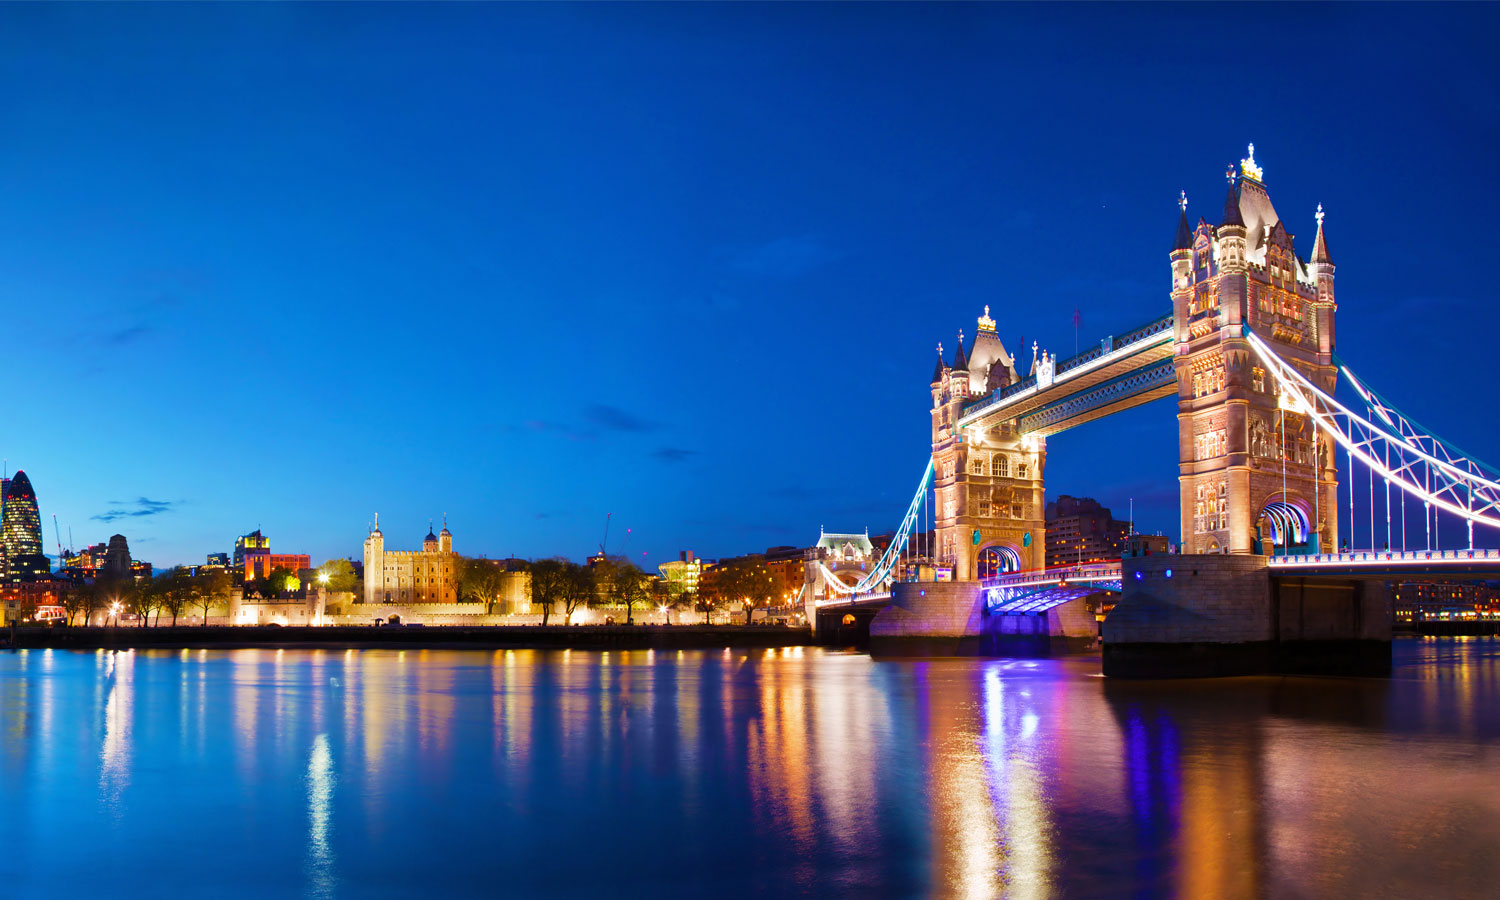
<point x="289" y="266"/>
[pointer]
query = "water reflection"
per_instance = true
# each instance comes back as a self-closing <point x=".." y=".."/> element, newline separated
<point x="114" y="750"/>
<point x="805" y="772"/>
<point x="320" y="785"/>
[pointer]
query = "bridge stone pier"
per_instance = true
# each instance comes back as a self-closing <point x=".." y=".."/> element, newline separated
<point x="955" y="618"/>
<point x="1208" y="615"/>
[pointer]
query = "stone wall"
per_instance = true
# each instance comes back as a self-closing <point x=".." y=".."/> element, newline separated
<point x="1205" y="598"/>
<point x="931" y="609"/>
<point x="1210" y="615"/>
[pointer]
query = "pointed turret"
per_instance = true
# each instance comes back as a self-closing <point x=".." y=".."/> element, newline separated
<point x="961" y="359"/>
<point x="1231" y="234"/>
<point x="1232" y="214"/>
<point x="1184" y="240"/>
<point x="1320" y="245"/>
<point x="1321" y="267"/>
<point x="942" y="367"/>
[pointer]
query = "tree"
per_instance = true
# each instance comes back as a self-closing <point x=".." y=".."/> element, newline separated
<point x="480" y="580"/>
<point x="624" y="583"/>
<point x="143" y="598"/>
<point x="340" y="574"/>
<point x="756" y="584"/>
<point x="746" y="581"/>
<point x="547" y="584"/>
<point x="666" y="595"/>
<point x="114" y="594"/>
<point x="210" y="588"/>
<point x="175" y="590"/>
<point x="278" y="582"/>
<point x="80" y="601"/>
<point x="579" y="589"/>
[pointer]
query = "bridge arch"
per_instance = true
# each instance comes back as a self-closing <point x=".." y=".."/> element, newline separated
<point x="1284" y="523"/>
<point x="998" y="558"/>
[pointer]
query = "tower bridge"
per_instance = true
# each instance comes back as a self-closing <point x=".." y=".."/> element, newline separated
<point x="1248" y="351"/>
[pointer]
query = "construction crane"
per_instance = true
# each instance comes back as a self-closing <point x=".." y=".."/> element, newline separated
<point x="58" y="534"/>
<point x="607" y="517"/>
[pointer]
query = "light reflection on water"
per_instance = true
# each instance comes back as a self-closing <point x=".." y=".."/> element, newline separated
<point x="782" y="772"/>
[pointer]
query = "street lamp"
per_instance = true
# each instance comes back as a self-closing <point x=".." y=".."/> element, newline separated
<point x="114" y="612"/>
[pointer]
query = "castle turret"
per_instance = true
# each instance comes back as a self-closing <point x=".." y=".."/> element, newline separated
<point x="1182" y="267"/>
<point x="1231" y="237"/>
<point x="445" y="537"/>
<point x="429" y="543"/>
<point x="374" y="563"/>
<point x="1321" y="266"/>
<point x="958" y="375"/>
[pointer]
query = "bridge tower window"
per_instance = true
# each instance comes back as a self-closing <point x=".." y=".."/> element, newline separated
<point x="1000" y="465"/>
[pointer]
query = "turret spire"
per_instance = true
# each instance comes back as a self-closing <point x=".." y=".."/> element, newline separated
<point x="1232" y="204"/>
<point x="937" y="373"/>
<point x="1184" y="240"/>
<point x="960" y="359"/>
<point x="1320" y="246"/>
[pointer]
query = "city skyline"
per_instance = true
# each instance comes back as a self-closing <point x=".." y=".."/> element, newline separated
<point x="468" y="281"/>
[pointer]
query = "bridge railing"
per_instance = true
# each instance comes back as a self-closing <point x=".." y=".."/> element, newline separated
<point x="1384" y="557"/>
<point x="1095" y="571"/>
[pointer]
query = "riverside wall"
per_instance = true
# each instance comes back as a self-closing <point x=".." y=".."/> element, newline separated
<point x="578" y="637"/>
<point x="1201" y="616"/>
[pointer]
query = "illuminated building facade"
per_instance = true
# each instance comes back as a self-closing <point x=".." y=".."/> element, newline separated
<point x="789" y="566"/>
<point x="987" y="483"/>
<point x="1436" y="601"/>
<point x="411" y="576"/>
<point x="1137" y="544"/>
<point x="1254" y="475"/>
<point x="21" y="532"/>
<point x="1080" y="530"/>
<point x="259" y="565"/>
<point x="682" y="574"/>
<point x="254" y="542"/>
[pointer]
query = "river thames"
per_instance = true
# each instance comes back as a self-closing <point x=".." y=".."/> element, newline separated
<point x="384" y="773"/>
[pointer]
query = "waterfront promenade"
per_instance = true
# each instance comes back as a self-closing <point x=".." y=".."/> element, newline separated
<point x="579" y="637"/>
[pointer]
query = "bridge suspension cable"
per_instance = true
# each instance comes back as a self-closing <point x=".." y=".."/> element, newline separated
<point x="888" y="560"/>
<point x="1392" y="445"/>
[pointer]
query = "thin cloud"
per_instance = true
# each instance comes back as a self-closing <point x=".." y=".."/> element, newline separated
<point x="134" y="509"/>
<point x="673" y="454"/>
<point x="613" y="418"/>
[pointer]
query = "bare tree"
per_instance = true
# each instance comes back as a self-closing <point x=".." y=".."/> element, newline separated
<point x="623" y="582"/>
<point x="579" y="589"/>
<point x="548" y="581"/>
<point x="210" y="589"/>
<point x="80" y="601"/>
<point x="175" y="591"/>
<point x="143" y="598"/>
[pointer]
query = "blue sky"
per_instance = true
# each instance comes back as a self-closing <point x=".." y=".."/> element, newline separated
<point x="287" y="266"/>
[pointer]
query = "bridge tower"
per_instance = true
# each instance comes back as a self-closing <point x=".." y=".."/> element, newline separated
<point x="987" y="480"/>
<point x="1253" y="473"/>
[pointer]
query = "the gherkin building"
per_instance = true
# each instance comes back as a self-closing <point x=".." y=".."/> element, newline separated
<point x="21" y="531"/>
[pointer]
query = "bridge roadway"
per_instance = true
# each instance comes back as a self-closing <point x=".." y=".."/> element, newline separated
<point x="1121" y="372"/>
<point x="1392" y="565"/>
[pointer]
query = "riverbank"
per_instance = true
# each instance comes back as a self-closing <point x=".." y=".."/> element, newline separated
<point x="499" y="637"/>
